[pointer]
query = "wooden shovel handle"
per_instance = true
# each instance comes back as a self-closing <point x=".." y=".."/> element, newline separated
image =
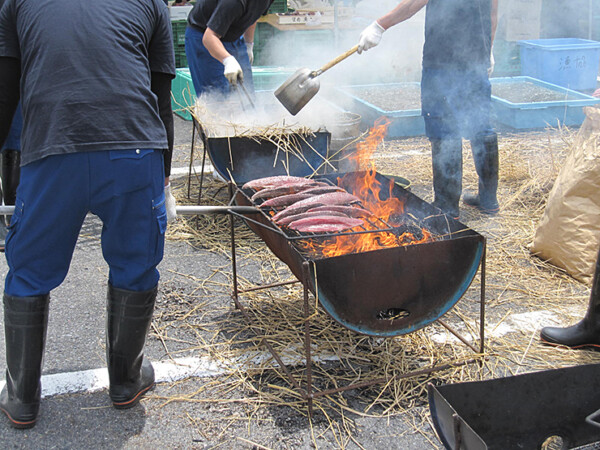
<point x="340" y="58"/>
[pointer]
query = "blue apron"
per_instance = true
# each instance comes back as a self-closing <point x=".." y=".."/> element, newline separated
<point x="455" y="90"/>
<point x="456" y="103"/>
<point x="206" y="71"/>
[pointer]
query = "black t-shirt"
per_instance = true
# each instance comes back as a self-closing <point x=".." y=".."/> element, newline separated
<point x="227" y="18"/>
<point x="85" y="83"/>
<point x="457" y="34"/>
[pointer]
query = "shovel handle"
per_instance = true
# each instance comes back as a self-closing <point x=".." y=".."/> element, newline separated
<point x="333" y="62"/>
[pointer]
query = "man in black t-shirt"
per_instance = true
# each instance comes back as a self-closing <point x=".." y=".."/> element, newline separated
<point x="97" y="137"/>
<point x="219" y="42"/>
<point x="455" y="93"/>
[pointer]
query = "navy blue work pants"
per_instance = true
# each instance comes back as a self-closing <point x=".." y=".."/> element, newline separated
<point x="206" y="71"/>
<point x="124" y="188"/>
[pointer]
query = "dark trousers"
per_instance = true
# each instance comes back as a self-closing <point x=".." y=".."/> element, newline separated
<point x="124" y="188"/>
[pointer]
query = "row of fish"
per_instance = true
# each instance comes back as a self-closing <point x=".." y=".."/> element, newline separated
<point x="307" y="205"/>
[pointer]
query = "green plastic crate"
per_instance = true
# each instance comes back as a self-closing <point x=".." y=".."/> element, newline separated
<point x="183" y="94"/>
<point x="180" y="61"/>
<point x="178" y="27"/>
<point x="180" y="56"/>
<point x="278" y="6"/>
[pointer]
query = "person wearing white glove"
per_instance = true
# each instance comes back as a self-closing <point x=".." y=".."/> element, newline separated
<point x="490" y="70"/>
<point x="232" y="71"/>
<point x="170" y="203"/>
<point x="370" y="37"/>
<point x="250" y="48"/>
<point x="455" y="93"/>
<point x="219" y="43"/>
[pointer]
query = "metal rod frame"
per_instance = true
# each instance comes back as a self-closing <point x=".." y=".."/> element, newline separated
<point x="307" y="392"/>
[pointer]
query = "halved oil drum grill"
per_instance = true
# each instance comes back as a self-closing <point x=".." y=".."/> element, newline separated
<point x="389" y="291"/>
<point x="385" y="292"/>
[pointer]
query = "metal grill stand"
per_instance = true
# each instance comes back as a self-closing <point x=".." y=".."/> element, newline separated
<point x="308" y="393"/>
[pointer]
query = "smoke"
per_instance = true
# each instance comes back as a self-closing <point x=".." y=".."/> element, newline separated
<point x="234" y="114"/>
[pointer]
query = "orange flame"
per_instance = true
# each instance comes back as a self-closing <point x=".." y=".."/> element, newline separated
<point x="363" y="158"/>
<point x="368" y="189"/>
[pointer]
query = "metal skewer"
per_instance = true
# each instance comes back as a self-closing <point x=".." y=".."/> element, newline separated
<point x="181" y="210"/>
<point x="241" y="83"/>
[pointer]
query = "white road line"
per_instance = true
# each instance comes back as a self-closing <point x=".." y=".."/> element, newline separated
<point x="97" y="379"/>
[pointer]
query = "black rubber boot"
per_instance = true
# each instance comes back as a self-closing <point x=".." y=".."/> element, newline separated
<point x="485" y="155"/>
<point x="128" y="322"/>
<point x="585" y="333"/>
<point x="25" y="323"/>
<point x="447" y="174"/>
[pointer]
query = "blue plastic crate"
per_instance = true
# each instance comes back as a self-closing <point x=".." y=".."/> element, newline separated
<point x="568" y="62"/>
<point x="543" y="113"/>
<point x="403" y="123"/>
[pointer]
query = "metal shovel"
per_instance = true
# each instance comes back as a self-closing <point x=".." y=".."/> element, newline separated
<point x="299" y="88"/>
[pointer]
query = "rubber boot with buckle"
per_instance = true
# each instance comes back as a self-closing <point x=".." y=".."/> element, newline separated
<point x="586" y="333"/>
<point x="25" y="324"/>
<point x="128" y="321"/>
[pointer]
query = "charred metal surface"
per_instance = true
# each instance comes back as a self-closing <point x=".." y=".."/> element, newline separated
<point x="391" y="291"/>
<point x="518" y="412"/>
<point x="418" y="282"/>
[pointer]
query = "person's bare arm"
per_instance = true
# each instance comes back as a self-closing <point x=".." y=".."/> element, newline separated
<point x="494" y="18"/>
<point x="400" y="13"/>
<point x="212" y="42"/>
<point x="249" y="34"/>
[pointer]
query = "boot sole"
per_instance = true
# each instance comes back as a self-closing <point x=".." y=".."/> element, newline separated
<point x="17" y="423"/>
<point x="135" y="400"/>
<point x="573" y="347"/>
<point x="489" y="212"/>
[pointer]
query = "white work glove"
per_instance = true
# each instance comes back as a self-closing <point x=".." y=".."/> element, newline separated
<point x="233" y="70"/>
<point x="250" y="48"/>
<point x="370" y="37"/>
<point x="492" y="63"/>
<point x="170" y="204"/>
